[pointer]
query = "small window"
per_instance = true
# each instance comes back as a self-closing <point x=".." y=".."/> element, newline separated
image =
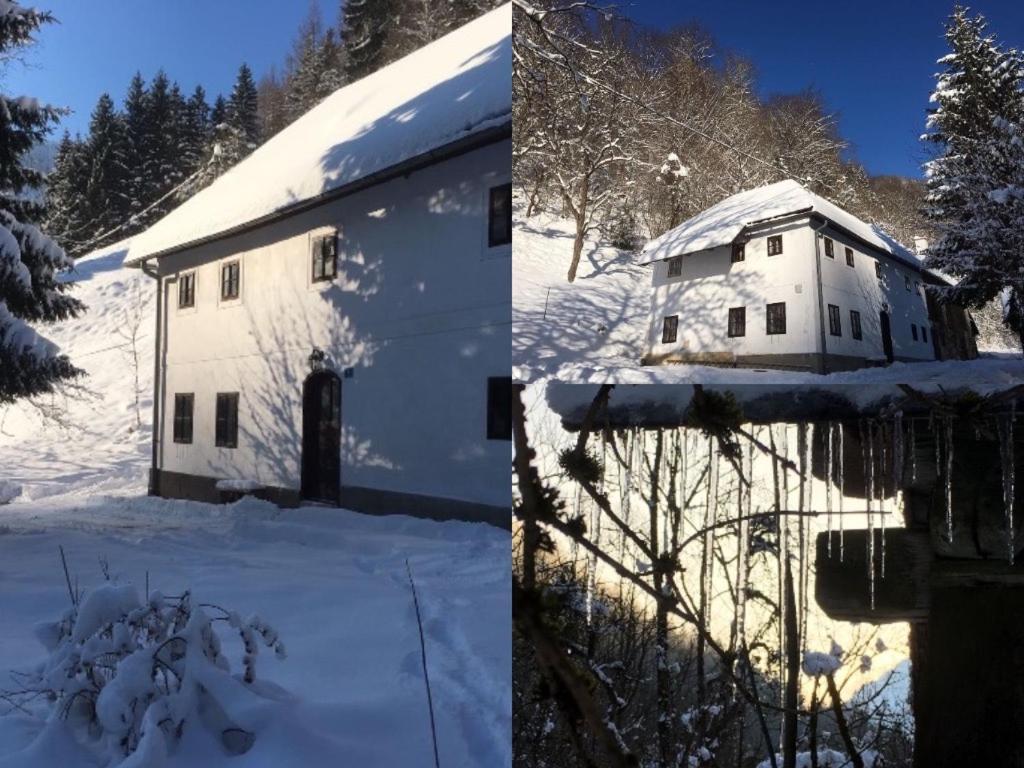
<point x="855" y="330"/>
<point x="229" y="280"/>
<point x="913" y="331"/>
<point x="739" y="252"/>
<point x="499" y="408"/>
<point x="878" y="270"/>
<point x="830" y="249"/>
<point x="775" y="245"/>
<point x="834" y="325"/>
<point x="675" y="266"/>
<point x="183" y="406"/>
<point x="669" y="328"/>
<point x="187" y="290"/>
<point x="776" y="315"/>
<point x="737" y="321"/>
<point x="499" y="218"/>
<point x="906" y="283"/>
<point x="325" y="257"/>
<point x="227" y="420"/>
<point x="924" y="334"/>
<point x="849" y="257"/>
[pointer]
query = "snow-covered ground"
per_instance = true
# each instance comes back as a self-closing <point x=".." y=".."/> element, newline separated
<point x="332" y="582"/>
<point x="594" y="330"/>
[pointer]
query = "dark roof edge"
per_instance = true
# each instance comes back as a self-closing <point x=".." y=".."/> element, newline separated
<point x="462" y="146"/>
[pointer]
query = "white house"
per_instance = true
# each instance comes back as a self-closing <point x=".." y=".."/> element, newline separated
<point x="334" y="316"/>
<point x="780" y="277"/>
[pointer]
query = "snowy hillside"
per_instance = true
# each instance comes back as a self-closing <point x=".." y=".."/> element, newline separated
<point x="333" y="583"/>
<point x="90" y="438"/>
<point x="599" y="320"/>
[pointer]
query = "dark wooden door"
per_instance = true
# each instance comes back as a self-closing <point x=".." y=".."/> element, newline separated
<point x="886" y="335"/>
<point x="321" y="437"/>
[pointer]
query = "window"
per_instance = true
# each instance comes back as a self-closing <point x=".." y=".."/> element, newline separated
<point x="775" y="245"/>
<point x="675" y="266"/>
<point x="849" y="257"/>
<point x="913" y="331"/>
<point x="739" y="252"/>
<point x="924" y="334"/>
<point x="830" y="250"/>
<point x="229" y="274"/>
<point x="187" y="290"/>
<point x="834" y="326"/>
<point x="906" y="283"/>
<point x="737" y="322"/>
<point x="878" y="270"/>
<point x="776" y="314"/>
<point x="669" y="327"/>
<point x="325" y="257"/>
<point x="227" y="420"/>
<point x="499" y="217"/>
<point x="855" y="330"/>
<point x="183" y="417"/>
<point x="499" y="408"/>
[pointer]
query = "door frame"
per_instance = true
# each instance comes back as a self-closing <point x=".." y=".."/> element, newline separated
<point x="307" y="465"/>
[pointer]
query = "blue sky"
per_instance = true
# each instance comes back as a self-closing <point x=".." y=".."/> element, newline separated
<point x="873" y="61"/>
<point x="99" y="44"/>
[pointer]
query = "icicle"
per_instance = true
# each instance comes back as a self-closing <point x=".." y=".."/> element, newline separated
<point x="867" y="438"/>
<point x="710" y="516"/>
<point x="948" y="432"/>
<point x="1004" y="427"/>
<point x="829" y="437"/>
<point x="913" y="451"/>
<point x="883" y="445"/>
<point x="842" y="490"/>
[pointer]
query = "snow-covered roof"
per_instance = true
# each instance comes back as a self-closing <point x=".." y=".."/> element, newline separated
<point x="451" y="89"/>
<point x="722" y="223"/>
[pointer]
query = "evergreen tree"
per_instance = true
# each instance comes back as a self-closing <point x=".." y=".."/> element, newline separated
<point x="364" y="33"/>
<point x="30" y="262"/>
<point x="243" y="107"/>
<point x="67" y="218"/>
<point x="219" y="113"/>
<point x="979" y="100"/>
<point x="135" y="118"/>
<point x="107" y="203"/>
<point x="196" y="131"/>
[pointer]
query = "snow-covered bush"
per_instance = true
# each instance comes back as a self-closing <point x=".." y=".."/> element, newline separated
<point x="8" y="492"/>
<point x="132" y="676"/>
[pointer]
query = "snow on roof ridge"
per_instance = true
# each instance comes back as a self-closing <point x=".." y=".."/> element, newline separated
<point x="722" y="223"/>
<point x="455" y="87"/>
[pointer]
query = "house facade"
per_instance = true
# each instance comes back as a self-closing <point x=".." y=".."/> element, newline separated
<point x="779" y="277"/>
<point x="350" y="346"/>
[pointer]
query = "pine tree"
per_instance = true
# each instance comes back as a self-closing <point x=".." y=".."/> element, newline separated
<point x="219" y="113"/>
<point x="196" y="131"/>
<point x="67" y="218"/>
<point x="364" y="33"/>
<point x="107" y="203"/>
<point x="978" y="99"/>
<point x="135" y="118"/>
<point x="243" y="107"/>
<point x="270" y="97"/>
<point x="30" y="262"/>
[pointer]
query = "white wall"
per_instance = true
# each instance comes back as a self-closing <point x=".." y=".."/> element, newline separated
<point x="860" y="289"/>
<point x="710" y="284"/>
<point x="420" y="311"/>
